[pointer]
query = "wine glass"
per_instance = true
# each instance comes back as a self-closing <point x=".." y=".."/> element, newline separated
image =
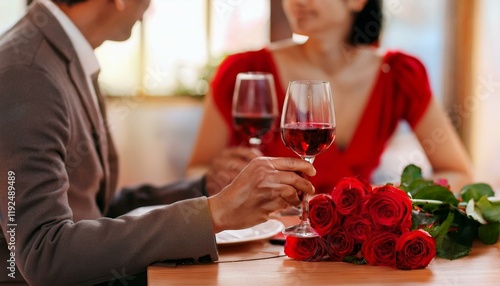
<point x="307" y="128"/>
<point x="254" y="106"/>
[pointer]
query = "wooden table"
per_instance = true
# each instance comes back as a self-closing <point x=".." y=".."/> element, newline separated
<point x="265" y="264"/>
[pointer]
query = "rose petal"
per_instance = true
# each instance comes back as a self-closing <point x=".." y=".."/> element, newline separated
<point x="323" y="214"/>
<point x="415" y="250"/>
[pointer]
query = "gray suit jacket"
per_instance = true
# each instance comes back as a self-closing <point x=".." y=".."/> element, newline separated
<point x="57" y="144"/>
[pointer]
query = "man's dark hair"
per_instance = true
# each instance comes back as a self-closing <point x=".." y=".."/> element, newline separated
<point x="367" y="24"/>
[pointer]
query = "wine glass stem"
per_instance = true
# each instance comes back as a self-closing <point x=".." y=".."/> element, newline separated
<point x="305" y="209"/>
<point x="305" y="202"/>
<point x="255" y="143"/>
<point x="309" y="159"/>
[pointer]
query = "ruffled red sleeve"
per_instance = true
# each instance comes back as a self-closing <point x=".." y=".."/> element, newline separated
<point x="411" y="86"/>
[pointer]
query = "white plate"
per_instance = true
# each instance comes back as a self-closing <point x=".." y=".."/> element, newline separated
<point x="264" y="230"/>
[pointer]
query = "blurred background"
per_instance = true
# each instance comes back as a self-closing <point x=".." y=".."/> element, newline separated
<point x="155" y="81"/>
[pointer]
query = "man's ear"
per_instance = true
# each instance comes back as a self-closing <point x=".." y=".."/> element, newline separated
<point x="357" y="5"/>
<point x="120" y="5"/>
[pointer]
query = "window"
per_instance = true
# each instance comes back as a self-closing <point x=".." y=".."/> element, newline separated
<point x="418" y="28"/>
<point x="484" y="102"/>
<point x="163" y="59"/>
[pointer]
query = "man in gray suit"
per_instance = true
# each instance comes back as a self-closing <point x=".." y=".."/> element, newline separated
<point x="60" y="217"/>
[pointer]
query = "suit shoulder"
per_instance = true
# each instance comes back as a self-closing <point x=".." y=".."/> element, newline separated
<point x="19" y="45"/>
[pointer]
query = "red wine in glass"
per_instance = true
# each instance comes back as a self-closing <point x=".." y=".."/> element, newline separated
<point x="308" y="139"/>
<point x="254" y="107"/>
<point x="254" y="126"/>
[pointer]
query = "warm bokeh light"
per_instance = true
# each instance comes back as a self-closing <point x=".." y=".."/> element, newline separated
<point x="230" y="18"/>
<point x="179" y="48"/>
<point x="419" y="28"/>
<point x="10" y="12"/>
<point x="174" y="45"/>
<point x="120" y="65"/>
<point x="485" y="101"/>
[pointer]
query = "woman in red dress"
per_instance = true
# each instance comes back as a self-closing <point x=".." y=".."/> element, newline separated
<point x="373" y="91"/>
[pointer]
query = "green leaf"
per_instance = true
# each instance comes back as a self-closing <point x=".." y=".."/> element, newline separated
<point x="439" y="232"/>
<point x="450" y="249"/>
<point x="456" y="244"/>
<point x="474" y="212"/>
<point x="494" y="201"/>
<point x="488" y="233"/>
<point x="476" y="191"/>
<point x="444" y="211"/>
<point x="354" y="260"/>
<point x="463" y="229"/>
<point x="422" y="219"/>
<point x="410" y="173"/>
<point x="438" y="193"/>
<point x="491" y="212"/>
<point x="418" y="185"/>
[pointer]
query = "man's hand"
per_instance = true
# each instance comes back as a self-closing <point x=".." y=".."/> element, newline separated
<point x="264" y="186"/>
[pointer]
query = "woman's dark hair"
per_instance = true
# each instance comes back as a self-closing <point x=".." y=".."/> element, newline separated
<point x="367" y="24"/>
<point x="68" y="2"/>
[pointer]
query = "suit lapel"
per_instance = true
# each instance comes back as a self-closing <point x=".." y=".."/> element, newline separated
<point x="108" y="150"/>
<point x="56" y="35"/>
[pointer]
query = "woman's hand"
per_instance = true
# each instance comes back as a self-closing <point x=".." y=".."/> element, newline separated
<point x="265" y="185"/>
<point x="227" y="166"/>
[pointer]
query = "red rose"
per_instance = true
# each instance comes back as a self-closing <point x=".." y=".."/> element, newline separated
<point x="415" y="250"/>
<point x="380" y="249"/>
<point x="322" y="214"/>
<point x="360" y="227"/>
<point x="305" y="249"/>
<point x="366" y="184"/>
<point x="340" y="245"/>
<point x="348" y="195"/>
<point x="389" y="208"/>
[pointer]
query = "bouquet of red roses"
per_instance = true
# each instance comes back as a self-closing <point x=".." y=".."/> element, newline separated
<point x="358" y="224"/>
<point x="403" y="227"/>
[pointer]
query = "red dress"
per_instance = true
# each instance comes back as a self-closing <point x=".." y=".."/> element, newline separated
<point x="401" y="92"/>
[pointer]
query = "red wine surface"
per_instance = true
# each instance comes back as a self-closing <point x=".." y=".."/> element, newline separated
<point x="254" y="126"/>
<point x="308" y="139"/>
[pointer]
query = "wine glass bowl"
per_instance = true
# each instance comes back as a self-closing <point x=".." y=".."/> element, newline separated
<point x="308" y="139"/>
<point x="308" y="128"/>
<point x="254" y="107"/>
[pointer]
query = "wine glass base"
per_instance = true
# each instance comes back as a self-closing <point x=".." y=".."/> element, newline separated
<point x="302" y="230"/>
